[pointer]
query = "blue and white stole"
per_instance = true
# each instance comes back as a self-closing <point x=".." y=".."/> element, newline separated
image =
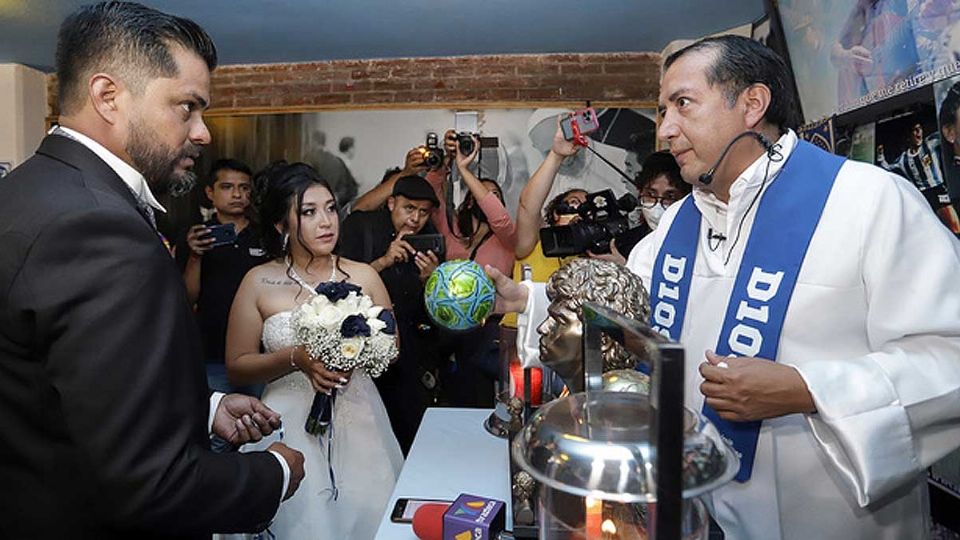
<point x="786" y="218"/>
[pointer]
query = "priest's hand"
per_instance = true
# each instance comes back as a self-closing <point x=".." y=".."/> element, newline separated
<point x="746" y="388"/>
<point x="511" y="296"/>
<point x="240" y="419"/>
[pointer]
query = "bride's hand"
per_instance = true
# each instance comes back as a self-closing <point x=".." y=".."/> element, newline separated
<point x="323" y="379"/>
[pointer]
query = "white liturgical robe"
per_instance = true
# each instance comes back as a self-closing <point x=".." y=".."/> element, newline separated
<point x="873" y="327"/>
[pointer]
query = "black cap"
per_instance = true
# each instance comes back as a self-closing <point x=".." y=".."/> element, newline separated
<point x="416" y="188"/>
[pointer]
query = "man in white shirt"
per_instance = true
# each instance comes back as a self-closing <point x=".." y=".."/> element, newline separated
<point x="106" y="411"/>
<point x="863" y="390"/>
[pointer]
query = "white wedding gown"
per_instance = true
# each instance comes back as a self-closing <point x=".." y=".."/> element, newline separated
<point x="365" y="454"/>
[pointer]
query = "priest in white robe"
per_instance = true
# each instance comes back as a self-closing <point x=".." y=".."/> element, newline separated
<point x="864" y="392"/>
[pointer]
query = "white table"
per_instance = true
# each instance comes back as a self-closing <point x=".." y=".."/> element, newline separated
<point x="452" y="454"/>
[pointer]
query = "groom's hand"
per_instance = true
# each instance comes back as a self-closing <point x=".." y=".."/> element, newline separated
<point x="295" y="460"/>
<point x="241" y="419"/>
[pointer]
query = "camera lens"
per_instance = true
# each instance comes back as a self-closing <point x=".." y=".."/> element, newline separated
<point x="465" y="143"/>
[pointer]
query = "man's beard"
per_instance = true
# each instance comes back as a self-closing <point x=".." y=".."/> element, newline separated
<point x="157" y="162"/>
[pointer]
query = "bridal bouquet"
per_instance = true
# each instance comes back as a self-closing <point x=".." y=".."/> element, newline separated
<point x="342" y="327"/>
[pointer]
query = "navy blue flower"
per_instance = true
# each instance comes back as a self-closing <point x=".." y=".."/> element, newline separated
<point x="336" y="290"/>
<point x="387" y="317"/>
<point x="355" y="325"/>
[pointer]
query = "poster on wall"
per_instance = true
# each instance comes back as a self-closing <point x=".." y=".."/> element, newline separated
<point x="947" y="96"/>
<point x="847" y="54"/>
<point x="863" y="143"/>
<point x="819" y="134"/>
<point x="909" y="144"/>
<point x="355" y="149"/>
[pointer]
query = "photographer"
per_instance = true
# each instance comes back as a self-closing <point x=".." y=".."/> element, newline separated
<point x="534" y="194"/>
<point x="481" y="230"/>
<point x="377" y="238"/>
<point x="660" y="185"/>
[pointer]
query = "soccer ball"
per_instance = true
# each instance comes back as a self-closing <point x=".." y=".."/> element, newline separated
<point x="459" y="295"/>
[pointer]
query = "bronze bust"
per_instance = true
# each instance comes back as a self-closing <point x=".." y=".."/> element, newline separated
<point x="561" y="334"/>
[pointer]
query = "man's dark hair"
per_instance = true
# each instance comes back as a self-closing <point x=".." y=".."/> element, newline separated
<point x="740" y="62"/>
<point x="226" y="165"/>
<point x="949" y="106"/>
<point x="658" y="164"/>
<point x="346" y="144"/>
<point x="126" y="38"/>
<point x="551" y="208"/>
<point x="390" y="172"/>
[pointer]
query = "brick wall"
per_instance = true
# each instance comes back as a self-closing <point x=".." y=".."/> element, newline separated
<point x="496" y="80"/>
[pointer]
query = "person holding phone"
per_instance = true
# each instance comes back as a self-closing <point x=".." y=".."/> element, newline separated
<point x="213" y="257"/>
<point x="378" y="237"/>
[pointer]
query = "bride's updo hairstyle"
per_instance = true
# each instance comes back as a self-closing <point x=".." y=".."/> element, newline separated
<point x="284" y="185"/>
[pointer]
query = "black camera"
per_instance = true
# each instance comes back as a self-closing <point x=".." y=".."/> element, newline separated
<point x="432" y="152"/>
<point x="465" y="143"/>
<point x="603" y="217"/>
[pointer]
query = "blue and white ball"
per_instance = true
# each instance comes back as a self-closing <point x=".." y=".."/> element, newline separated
<point x="459" y="295"/>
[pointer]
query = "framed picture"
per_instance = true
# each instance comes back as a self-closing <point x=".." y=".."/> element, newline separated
<point x="847" y="54"/>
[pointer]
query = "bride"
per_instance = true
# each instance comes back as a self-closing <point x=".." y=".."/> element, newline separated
<point x="350" y="471"/>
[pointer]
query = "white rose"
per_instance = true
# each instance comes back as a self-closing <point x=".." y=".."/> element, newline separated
<point x="373" y="312"/>
<point x="349" y="304"/>
<point x="330" y="318"/>
<point x="350" y="348"/>
<point x="364" y="304"/>
<point x="311" y="320"/>
<point x="376" y="325"/>
<point x="319" y="303"/>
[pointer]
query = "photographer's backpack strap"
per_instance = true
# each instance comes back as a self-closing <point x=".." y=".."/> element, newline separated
<point x="473" y="254"/>
<point x="368" y="244"/>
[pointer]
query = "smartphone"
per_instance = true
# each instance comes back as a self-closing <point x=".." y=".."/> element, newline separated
<point x="585" y="119"/>
<point x="404" y="509"/>
<point x="223" y="235"/>
<point x="427" y="242"/>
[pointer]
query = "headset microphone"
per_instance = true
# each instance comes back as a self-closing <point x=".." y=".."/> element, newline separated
<point x="770" y="149"/>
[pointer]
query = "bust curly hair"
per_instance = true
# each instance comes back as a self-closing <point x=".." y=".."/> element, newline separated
<point x="608" y="284"/>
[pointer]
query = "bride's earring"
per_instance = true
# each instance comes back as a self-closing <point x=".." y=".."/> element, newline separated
<point x="286" y="241"/>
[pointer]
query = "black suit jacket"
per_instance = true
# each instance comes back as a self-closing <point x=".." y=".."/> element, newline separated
<point x="103" y="399"/>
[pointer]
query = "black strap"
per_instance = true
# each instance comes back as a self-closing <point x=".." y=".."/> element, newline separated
<point x="368" y="243"/>
<point x="473" y="254"/>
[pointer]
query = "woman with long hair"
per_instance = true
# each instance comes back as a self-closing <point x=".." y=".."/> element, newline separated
<point x="482" y="231"/>
<point x="350" y="471"/>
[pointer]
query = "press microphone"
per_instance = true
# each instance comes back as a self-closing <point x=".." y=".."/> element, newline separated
<point x="428" y="521"/>
<point x="480" y="517"/>
<point x="769" y="147"/>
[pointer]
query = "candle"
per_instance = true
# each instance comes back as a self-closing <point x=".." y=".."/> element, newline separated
<point x="594" y="521"/>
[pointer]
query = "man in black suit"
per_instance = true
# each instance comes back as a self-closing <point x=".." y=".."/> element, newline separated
<point x="103" y="401"/>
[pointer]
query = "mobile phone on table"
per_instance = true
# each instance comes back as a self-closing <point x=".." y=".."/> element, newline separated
<point x="223" y="235"/>
<point x="426" y="242"/>
<point x="404" y="509"/>
<point x="585" y="119"/>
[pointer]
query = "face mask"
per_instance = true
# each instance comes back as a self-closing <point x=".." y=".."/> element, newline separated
<point x="653" y="215"/>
